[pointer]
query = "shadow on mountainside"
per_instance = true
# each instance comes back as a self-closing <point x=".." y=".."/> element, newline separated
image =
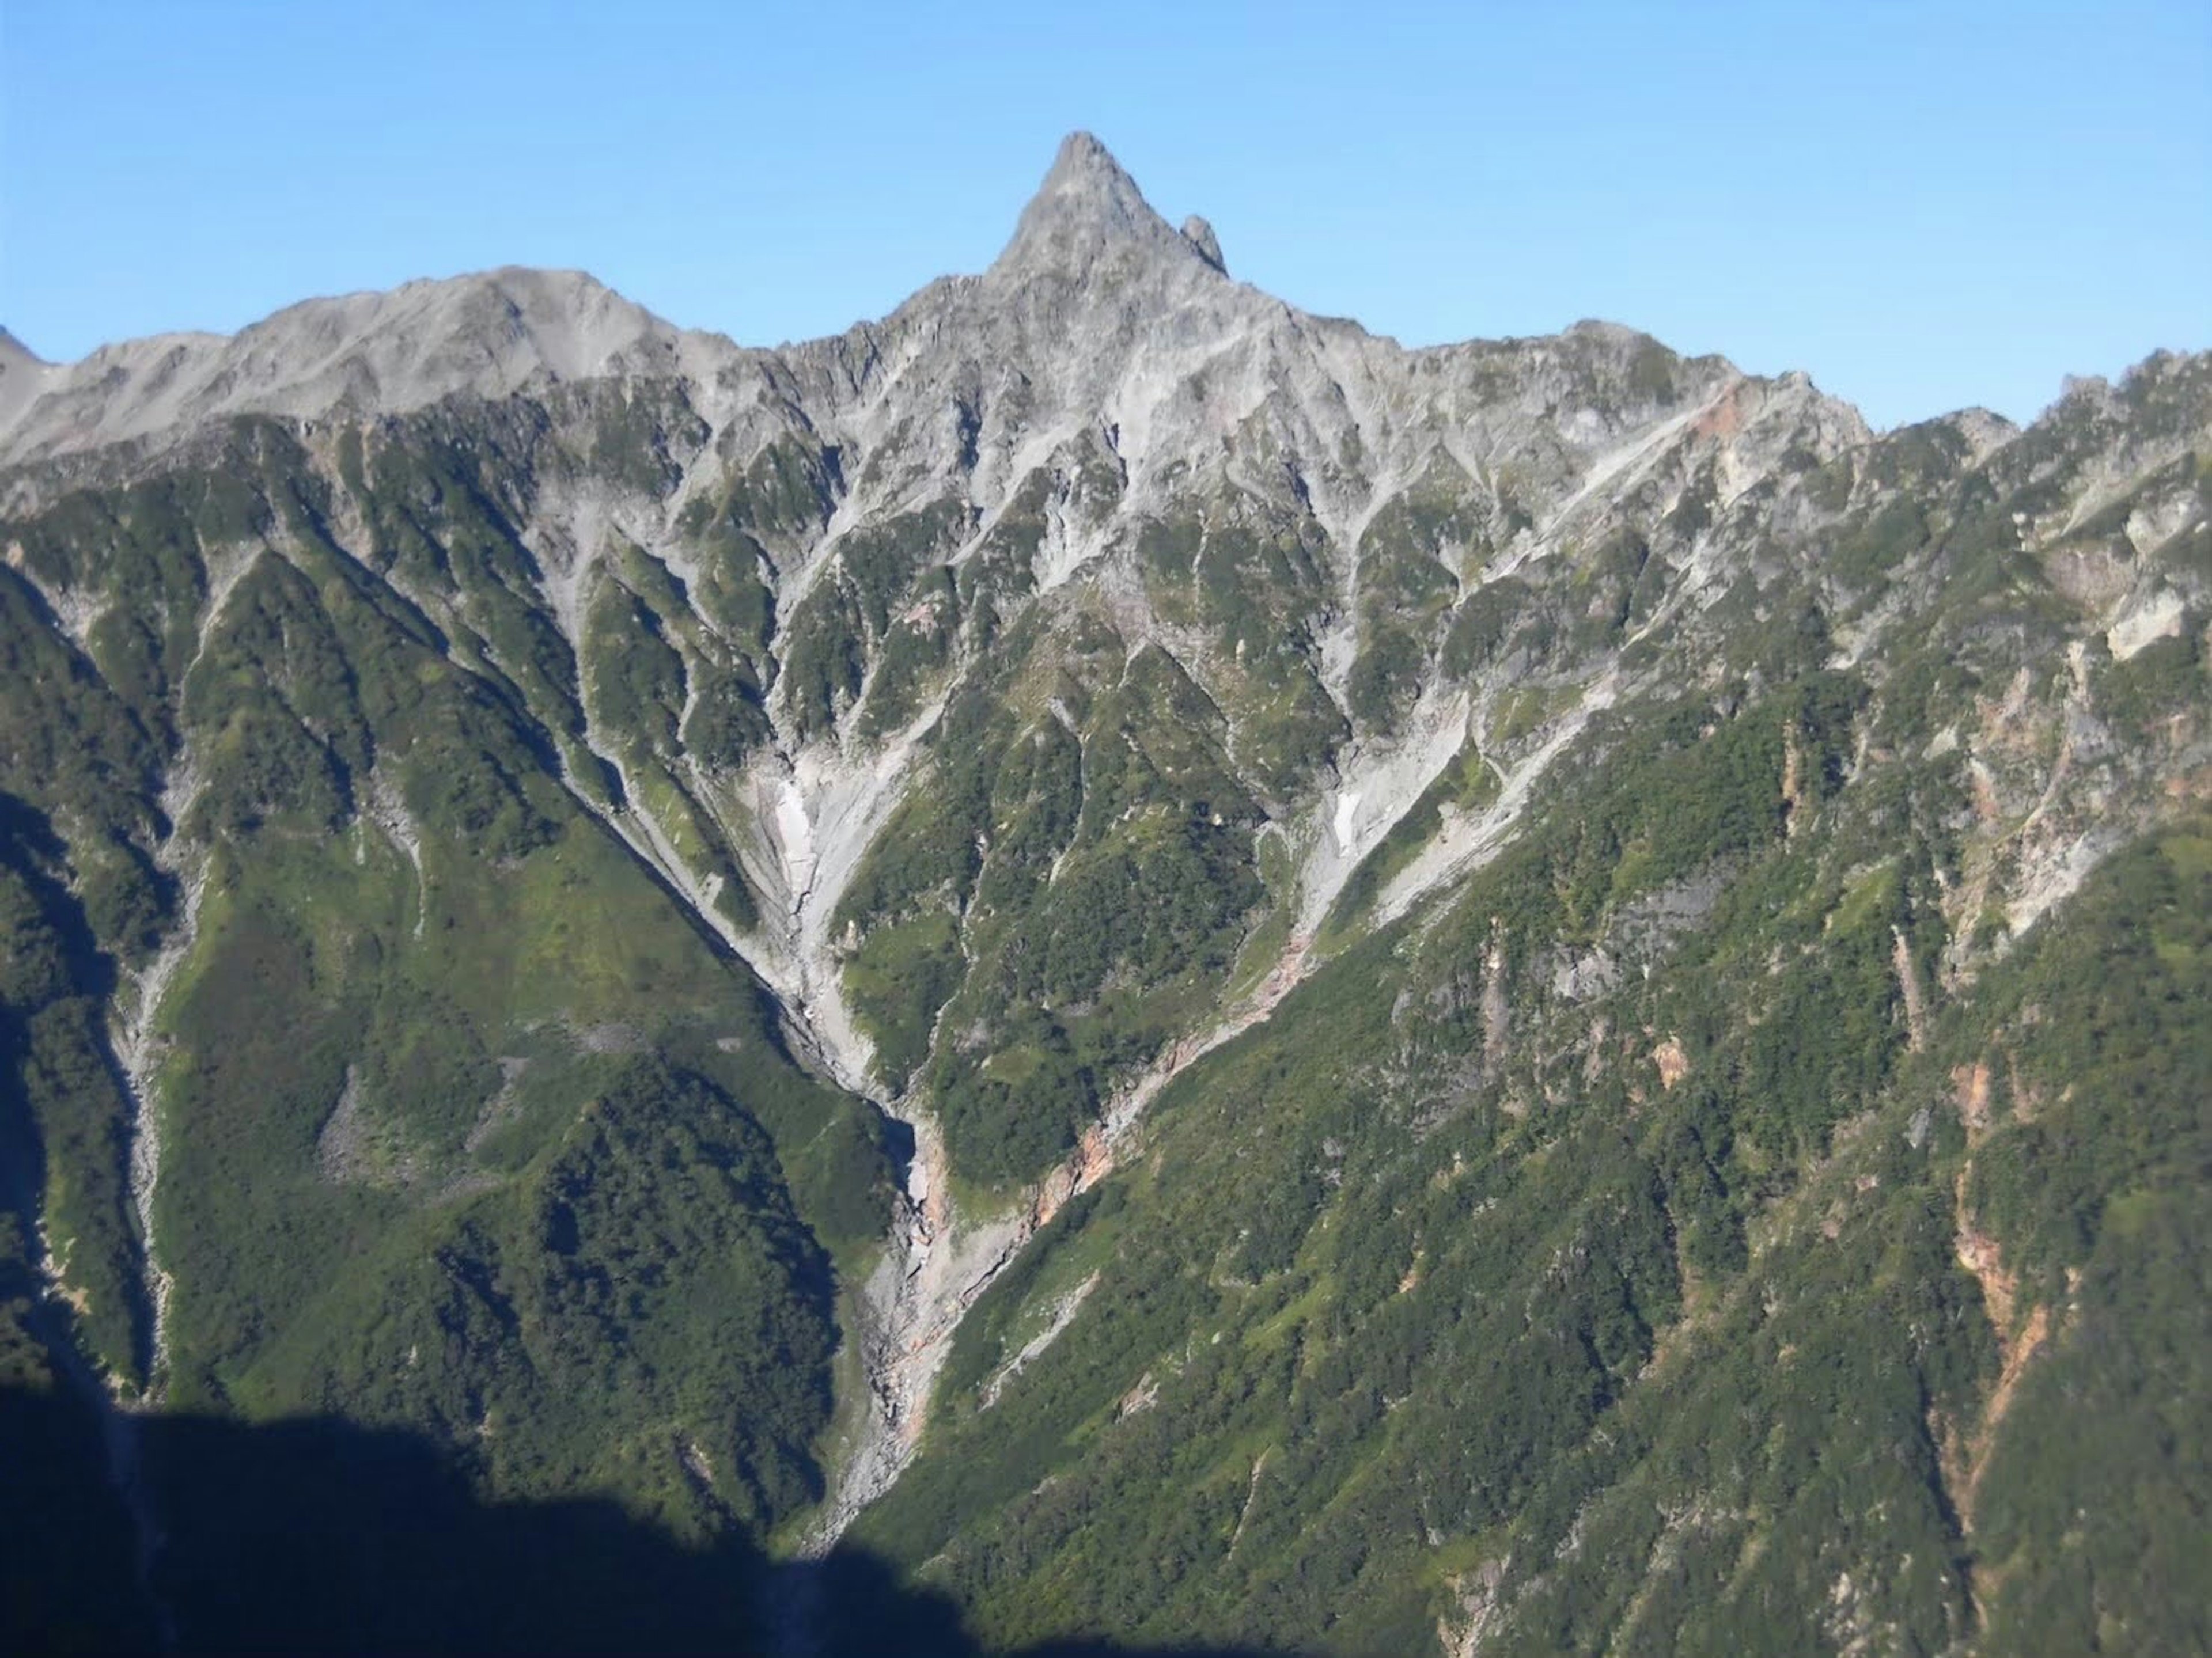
<point x="323" y="1536"/>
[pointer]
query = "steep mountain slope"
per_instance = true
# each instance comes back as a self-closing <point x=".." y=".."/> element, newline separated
<point x="1296" y="989"/>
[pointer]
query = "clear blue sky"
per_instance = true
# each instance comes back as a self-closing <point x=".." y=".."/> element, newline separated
<point x="1924" y="205"/>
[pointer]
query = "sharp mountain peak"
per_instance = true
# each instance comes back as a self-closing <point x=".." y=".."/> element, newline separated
<point x="1088" y="213"/>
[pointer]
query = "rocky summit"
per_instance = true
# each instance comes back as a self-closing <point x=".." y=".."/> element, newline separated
<point x="1102" y="962"/>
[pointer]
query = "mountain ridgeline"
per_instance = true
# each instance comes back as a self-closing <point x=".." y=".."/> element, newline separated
<point x="1192" y="976"/>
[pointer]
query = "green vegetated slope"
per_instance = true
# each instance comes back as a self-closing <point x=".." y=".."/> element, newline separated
<point x="1698" y="1230"/>
<point x="1729" y="1174"/>
<point x="1072" y="887"/>
<point x="1653" y="1325"/>
<point x="466" y="1123"/>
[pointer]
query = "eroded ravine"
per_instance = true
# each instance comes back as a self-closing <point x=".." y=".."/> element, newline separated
<point x="939" y="1262"/>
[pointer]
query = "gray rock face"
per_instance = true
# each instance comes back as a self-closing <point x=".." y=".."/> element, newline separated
<point x="362" y="355"/>
<point x="21" y="374"/>
<point x="1088" y="221"/>
<point x="1199" y="235"/>
<point x="1096" y="312"/>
